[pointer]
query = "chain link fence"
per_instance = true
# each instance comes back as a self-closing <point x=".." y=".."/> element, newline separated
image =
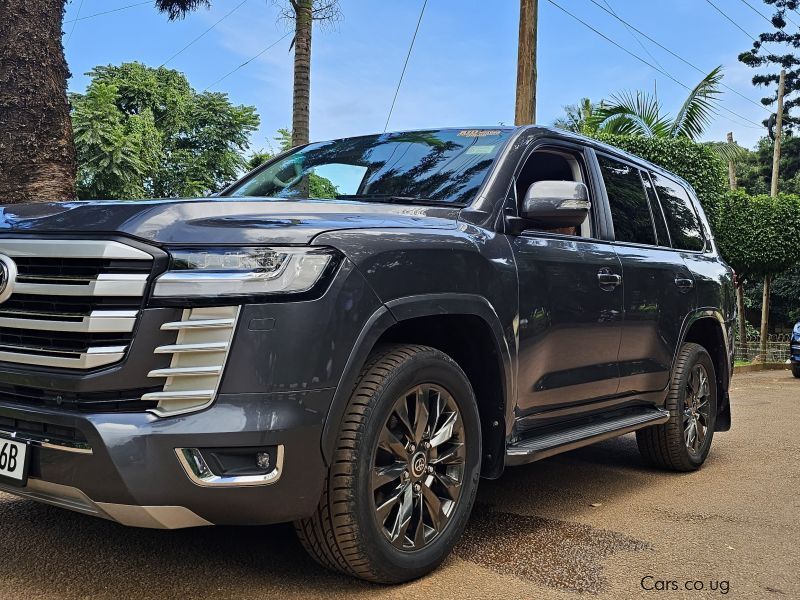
<point x="777" y="348"/>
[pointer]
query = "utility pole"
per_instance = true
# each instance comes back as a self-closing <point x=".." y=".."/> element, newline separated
<point x="525" y="113"/>
<point x="738" y="283"/>
<point x="776" y="155"/>
<point x="776" y="158"/>
<point x="731" y="166"/>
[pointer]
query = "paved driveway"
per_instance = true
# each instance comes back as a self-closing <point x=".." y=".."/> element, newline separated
<point x="594" y="520"/>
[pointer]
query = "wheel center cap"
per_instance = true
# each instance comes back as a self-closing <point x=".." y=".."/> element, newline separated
<point x="418" y="464"/>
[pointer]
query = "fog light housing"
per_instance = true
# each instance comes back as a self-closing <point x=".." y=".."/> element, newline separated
<point x="242" y="466"/>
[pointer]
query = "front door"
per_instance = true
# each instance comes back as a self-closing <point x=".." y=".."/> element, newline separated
<point x="570" y="307"/>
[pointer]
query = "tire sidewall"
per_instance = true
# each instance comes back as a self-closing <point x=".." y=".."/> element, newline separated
<point x="697" y="355"/>
<point x="429" y="367"/>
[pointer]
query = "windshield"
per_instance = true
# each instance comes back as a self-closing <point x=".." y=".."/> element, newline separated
<point x="441" y="166"/>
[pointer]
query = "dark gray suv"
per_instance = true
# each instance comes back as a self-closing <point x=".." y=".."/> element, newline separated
<point x="355" y="333"/>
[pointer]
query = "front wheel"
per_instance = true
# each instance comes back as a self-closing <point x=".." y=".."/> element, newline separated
<point x="405" y="469"/>
<point x="683" y="442"/>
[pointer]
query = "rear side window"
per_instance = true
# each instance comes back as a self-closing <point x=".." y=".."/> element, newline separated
<point x="630" y="209"/>
<point x="682" y="220"/>
<point x="658" y="215"/>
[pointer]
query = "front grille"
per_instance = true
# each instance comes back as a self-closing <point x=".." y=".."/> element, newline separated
<point x="116" y="401"/>
<point x="74" y="303"/>
<point x="56" y="432"/>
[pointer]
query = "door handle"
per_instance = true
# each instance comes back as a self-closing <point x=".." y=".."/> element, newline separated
<point x="607" y="279"/>
<point x="684" y="283"/>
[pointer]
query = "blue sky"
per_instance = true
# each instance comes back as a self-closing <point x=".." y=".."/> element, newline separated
<point x="462" y="70"/>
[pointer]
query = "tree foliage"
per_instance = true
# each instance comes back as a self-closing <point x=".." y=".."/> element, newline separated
<point x="758" y="235"/>
<point x="698" y="164"/>
<point x="640" y="113"/>
<point x="754" y="169"/>
<point x="142" y="132"/>
<point x="763" y="54"/>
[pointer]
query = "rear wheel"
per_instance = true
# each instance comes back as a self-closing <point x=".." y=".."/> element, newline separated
<point x="404" y="472"/>
<point x="683" y="442"/>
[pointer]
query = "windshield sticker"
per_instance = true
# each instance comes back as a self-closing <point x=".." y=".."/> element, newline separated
<point x="480" y="149"/>
<point x="478" y="132"/>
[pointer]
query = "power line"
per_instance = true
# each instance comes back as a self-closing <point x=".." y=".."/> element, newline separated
<point x="248" y="61"/>
<point x="735" y="24"/>
<point x="679" y="57"/>
<point x="71" y="31"/>
<point x="630" y="29"/>
<point x="758" y="12"/>
<point x="639" y="58"/>
<point x="108" y="12"/>
<point x="403" y="72"/>
<point x="190" y="44"/>
<point x="765" y="17"/>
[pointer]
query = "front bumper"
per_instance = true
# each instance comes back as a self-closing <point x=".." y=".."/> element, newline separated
<point x="132" y="473"/>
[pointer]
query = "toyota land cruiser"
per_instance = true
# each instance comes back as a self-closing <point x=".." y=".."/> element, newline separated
<point x="355" y="333"/>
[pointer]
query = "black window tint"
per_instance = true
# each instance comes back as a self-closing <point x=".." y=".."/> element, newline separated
<point x="630" y="210"/>
<point x="684" y="226"/>
<point x="658" y="215"/>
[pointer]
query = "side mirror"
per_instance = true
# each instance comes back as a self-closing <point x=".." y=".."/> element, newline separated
<point x="556" y="203"/>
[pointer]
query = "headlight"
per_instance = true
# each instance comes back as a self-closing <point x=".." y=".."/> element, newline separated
<point x="225" y="272"/>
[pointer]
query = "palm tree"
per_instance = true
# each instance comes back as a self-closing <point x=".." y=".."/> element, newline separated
<point x="578" y="117"/>
<point x="641" y="113"/>
<point x="302" y="13"/>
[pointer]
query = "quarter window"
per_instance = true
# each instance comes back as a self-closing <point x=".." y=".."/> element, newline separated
<point x="630" y="209"/>
<point x="684" y="226"/>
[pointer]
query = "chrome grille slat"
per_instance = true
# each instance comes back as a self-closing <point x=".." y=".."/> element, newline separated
<point x="111" y="285"/>
<point x="96" y="322"/>
<point x="74" y="303"/>
<point x="204" y="336"/>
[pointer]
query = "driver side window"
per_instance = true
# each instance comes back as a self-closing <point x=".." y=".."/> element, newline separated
<point x="553" y="165"/>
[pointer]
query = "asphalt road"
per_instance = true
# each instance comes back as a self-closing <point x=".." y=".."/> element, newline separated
<point x="594" y="520"/>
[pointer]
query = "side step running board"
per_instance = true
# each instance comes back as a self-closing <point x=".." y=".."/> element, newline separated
<point x="554" y="442"/>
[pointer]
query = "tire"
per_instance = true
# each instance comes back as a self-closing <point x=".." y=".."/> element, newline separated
<point x="348" y="533"/>
<point x="671" y="445"/>
<point x="796" y="370"/>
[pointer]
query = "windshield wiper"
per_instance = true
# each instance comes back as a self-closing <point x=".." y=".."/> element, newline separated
<point x="389" y="199"/>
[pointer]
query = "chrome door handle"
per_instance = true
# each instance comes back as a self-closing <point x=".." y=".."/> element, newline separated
<point x="607" y="279"/>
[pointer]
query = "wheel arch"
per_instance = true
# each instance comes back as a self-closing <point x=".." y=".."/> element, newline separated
<point x="465" y="327"/>
<point x="707" y="328"/>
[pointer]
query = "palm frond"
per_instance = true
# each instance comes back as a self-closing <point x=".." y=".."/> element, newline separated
<point x="629" y="114"/>
<point x="699" y="107"/>
<point x="728" y="151"/>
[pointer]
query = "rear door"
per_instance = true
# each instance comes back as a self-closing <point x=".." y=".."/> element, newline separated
<point x="658" y="286"/>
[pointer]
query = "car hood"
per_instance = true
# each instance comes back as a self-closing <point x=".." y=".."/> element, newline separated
<point x="219" y="220"/>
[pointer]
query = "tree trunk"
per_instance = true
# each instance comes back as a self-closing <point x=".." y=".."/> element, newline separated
<point x="302" y="71"/>
<point x="742" y="320"/>
<point x="37" y="153"/>
<point x="765" y="317"/>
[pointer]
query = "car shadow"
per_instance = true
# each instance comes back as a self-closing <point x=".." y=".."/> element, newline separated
<point x="526" y="518"/>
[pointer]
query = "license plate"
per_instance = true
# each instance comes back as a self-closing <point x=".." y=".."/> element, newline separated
<point x="13" y="462"/>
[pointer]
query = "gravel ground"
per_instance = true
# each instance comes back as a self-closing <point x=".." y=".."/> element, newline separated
<point x="593" y="522"/>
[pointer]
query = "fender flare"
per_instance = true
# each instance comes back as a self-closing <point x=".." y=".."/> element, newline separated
<point x="402" y="309"/>
<point x="723" y="379"/>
